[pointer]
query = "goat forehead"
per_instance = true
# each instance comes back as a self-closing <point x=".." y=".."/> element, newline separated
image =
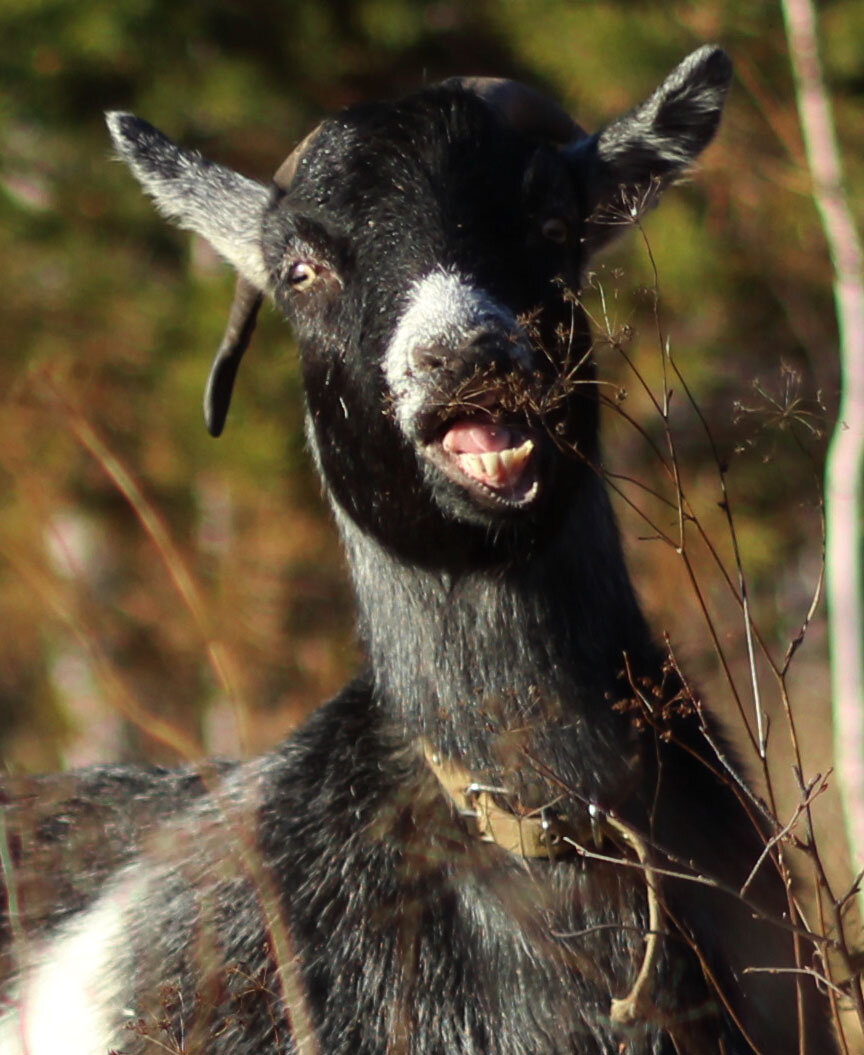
<point x="449" y="192"/>
<point x="432" y="147"/>
<point x="434" y="211"/>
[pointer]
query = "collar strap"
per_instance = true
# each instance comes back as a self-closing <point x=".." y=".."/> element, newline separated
<point x="538" y="833"/>
<point x="545" y="833"/>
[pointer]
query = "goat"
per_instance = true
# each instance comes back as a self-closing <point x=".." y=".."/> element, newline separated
<point x="484" y="843"/>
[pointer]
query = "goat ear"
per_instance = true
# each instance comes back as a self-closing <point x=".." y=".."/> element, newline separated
<point x="199" y="195"/>
<point x="631" y="161"/>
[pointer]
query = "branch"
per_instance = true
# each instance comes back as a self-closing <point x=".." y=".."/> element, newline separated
<point x="845" y="465"/>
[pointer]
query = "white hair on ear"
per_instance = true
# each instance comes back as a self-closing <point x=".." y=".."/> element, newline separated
<point x="628" y="165"/>
<point x="675" y="123"/>
<point x="197" y="194"/>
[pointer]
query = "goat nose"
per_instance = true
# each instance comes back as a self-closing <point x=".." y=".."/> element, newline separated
<point x="487" y="348"/>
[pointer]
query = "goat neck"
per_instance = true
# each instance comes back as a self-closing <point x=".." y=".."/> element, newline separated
<point x="524" y="659"/>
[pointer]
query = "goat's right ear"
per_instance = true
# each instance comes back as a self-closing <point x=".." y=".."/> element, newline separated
<point x="222" y="206"/>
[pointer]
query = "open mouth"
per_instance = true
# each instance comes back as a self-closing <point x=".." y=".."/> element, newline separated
<point x="497" y="462"/>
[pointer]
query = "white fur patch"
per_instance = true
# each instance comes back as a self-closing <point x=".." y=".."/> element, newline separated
<point x="64" y="996"/>
<point x="222" y="206"/>
<point x="444" y="311"/>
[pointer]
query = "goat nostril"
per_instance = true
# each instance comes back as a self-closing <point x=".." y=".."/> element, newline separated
<point x="429" y="358"/>
<point x="482" y="349"/>
<point x="486" y="349"/>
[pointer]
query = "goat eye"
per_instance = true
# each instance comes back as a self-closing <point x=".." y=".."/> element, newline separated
<point x="301" y="274"/>
<point x="555" y="229"/>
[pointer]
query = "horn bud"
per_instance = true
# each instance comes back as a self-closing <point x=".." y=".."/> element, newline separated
<point x="523" y="108"/>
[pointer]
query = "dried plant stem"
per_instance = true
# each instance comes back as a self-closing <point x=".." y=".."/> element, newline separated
<point x="667" y="363"/>
<point x="156" y="530"/>
<point x="685" y="516"/>
<point x="116" y="690"/>
<point x="845" y="465"/>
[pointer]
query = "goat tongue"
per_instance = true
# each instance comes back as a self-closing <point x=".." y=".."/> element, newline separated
<point x="477" y="437"/>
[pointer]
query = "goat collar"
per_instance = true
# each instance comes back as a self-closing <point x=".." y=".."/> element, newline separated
<point x="534" y="833"/>
<point x="545" y="833"/>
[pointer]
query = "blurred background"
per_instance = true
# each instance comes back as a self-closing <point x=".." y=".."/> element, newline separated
<point x="163" y="594"/>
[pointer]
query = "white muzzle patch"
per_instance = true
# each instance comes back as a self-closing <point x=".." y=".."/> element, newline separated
<point x="444" y="311"/>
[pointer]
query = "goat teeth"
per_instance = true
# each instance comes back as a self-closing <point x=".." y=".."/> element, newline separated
<point x="491" y="462"/>
<point x="515" y="457"/>
<point x="473" y="464"/>
<point x="496" y="468"/>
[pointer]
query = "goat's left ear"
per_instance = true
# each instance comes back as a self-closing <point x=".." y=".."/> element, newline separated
<point x="627" y="165"/>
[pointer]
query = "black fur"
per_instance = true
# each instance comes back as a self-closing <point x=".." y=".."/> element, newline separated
<point x="330" y="886"/>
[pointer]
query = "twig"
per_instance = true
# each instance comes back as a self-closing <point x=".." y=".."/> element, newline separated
<point x="811" y="792"/>
<point x="797" y="970"/>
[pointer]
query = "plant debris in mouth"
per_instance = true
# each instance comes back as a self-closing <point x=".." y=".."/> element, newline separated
<point x="487" y="431"/>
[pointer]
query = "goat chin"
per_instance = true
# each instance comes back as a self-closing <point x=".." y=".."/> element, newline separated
<point x="343" y="895"/>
